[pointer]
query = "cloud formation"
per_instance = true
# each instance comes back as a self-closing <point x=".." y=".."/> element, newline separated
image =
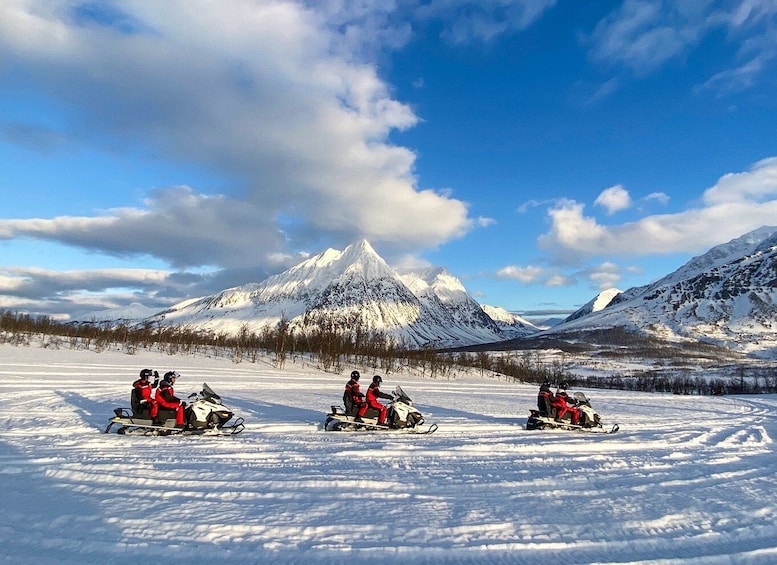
<point x="273" y="96"/>
<point x="614" y="199"/>
<point x="736" y="204"/>
<point x="645" y="34"/>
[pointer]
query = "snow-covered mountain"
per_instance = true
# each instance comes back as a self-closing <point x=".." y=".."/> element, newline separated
<point x="128" y="314"/>
<point x="727" y="296"/>
<point x="356" y="288"/>
<point x="512" y="325"/>
<point x="599" y="302"/>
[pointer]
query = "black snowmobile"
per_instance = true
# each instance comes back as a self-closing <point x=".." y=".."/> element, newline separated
<point x="400" y="415"/>
<point x="205" y="414"/>
<point x="545" y="416"/>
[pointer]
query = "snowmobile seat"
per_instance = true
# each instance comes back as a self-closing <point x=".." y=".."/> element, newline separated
<point x="545" y="405"/>
<point x="350" y="408"/>
<point x="135" y="403"/>
<point x="139" y="408"/>
<point x="165" y="414"/>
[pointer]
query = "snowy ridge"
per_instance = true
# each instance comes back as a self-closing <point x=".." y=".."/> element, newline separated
<point x="600" y="302"/>
<point x="355" y="287"/>
<point x="727" y="296"/>
<point x="511" y="324"/>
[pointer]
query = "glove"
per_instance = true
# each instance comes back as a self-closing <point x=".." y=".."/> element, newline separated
<point x="183" y="404"/>
<point x="156" y="375"/>
<point x="155" y="383"/>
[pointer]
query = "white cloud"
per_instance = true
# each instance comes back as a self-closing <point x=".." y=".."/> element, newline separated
<point x="757" y="184"/>
<point x="482" y="21"/>
<point x="559" y="280"/>
<point x="605" y="275"/>
<point x="737" y="204"/>
<point x="660" y="197"/>
<point x="645" y="34"/>
<point x="273" y="95"/>
<point x="615" y="199"/>
<point x="529" y="274"/>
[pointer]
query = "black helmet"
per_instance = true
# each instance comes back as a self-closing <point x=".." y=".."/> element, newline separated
<point x="170" y="375"/>
<point x="355" y="375"/>
<point x="146" y="374"/>
<point x="377" y="380"/>
<point x="563" y="386"/>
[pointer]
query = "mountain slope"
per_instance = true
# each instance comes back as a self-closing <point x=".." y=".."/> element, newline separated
<point x="728" y="296"/>
<point x="357" y="289"/>
<point x="599" y="302"/>
<point x="512" y="325"/>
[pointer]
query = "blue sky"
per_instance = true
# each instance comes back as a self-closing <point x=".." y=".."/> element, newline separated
<point x="540" y="150"/>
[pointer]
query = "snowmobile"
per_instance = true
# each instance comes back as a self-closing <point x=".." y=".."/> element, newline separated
<point x="589" y="420"/>
<point x="400" y="415"/>
<point x="205" y="414"/>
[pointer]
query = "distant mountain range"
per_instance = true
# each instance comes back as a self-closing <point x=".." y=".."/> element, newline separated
<point x="727" y="296"/>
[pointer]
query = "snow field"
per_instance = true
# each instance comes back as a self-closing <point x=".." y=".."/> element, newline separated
<point x="686" y="480"/>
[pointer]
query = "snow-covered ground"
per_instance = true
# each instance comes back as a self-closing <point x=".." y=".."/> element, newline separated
<point x="686" y="480"/>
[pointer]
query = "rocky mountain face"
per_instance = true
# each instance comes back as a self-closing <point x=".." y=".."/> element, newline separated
<point x="358" y="289"/>
<point x="727" y="296"/>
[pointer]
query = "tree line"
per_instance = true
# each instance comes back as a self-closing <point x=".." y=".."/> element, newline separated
<point x="334" y="343"/>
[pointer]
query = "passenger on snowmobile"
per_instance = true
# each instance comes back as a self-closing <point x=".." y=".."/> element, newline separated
<point x="545" y="399"/>
<point x="168" y="402"/>
<point x="140" y="401"/>
<point x="373" y="393"/>
<point x="563" y="404"/>
<point x="353" y="397"/>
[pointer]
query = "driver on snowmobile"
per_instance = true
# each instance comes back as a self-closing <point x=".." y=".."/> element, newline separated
<point x="165" y="397"/>
<point x="141" y="400"/>
<point x="561" y="406"/>
<point x="373" y="393"/>
<point x="353" y="397"/>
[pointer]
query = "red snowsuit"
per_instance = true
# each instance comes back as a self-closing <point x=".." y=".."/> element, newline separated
<point x="373" y="393"/>
<point x="560" y="404"/>
<point x="165" y="398"/>
<point x="143" y="388"/>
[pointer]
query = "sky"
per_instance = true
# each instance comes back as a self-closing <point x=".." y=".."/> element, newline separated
<point x="481" y="490"/>
<point x="540" y="150"/>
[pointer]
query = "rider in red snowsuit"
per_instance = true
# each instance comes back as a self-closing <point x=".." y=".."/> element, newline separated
<point x="141" y="393"/>
<point x="165" y="397"/>
<point x="373" y="393"/>
<point x="560" y="404"/>
<point x="353" y="398"/>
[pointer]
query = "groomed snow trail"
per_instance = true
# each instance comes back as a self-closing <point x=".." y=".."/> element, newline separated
<point x="686" y="480"/>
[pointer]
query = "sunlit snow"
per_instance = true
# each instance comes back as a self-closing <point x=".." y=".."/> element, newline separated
<point x="685" y="480"/>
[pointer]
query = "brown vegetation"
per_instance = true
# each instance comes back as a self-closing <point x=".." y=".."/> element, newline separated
<point x="335" y="343"/>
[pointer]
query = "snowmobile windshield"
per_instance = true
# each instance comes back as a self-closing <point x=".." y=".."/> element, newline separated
<point x="401" y="395"/>
<point x="581" y="397"/>
<point x="208" y="392"/>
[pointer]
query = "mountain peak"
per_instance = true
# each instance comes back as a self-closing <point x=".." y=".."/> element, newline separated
<point x="354" y="284"/>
